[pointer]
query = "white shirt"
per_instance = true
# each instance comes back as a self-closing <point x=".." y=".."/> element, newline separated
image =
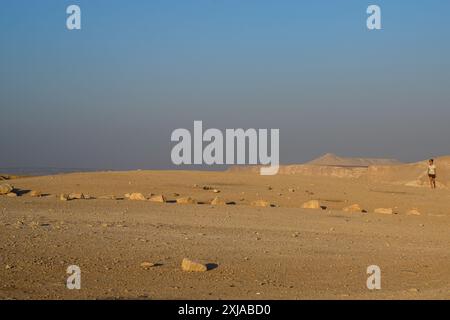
<point x="432" y="169"/>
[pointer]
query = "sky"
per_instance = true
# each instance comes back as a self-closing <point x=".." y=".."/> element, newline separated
<point x="108" y="96"/>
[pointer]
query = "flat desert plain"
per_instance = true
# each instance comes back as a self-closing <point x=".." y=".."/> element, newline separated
<point x="282" y="251"/>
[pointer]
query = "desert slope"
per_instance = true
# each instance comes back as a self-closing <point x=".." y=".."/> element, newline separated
<point x="385" y="171"/>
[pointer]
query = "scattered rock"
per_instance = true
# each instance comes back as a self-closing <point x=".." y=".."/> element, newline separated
<point x="353" y="208"/>
<point x="291" y="190"/>
<point x="158" y="198"/>
<point x="147" y="265"/>
<point x="35" y="193"/>
<point x="127" y="195"/>
<point x="76" y="196"/>
<point x="192" y="266"/>
<point x="384" y="210"/>
<point x="6" y="188"/>
<point x="414" y="212"/>
<point x="108" y="197"/>
<point x="218" y="202"/>
<point x="216" y="191"/>
<point x="186" y="200"/>
<point x="137" y="196"/>
<point x="175" y="194"/>
<point x="313" y="204"/>
<point x="207" y="188"/>
<point x="12" y="195"/>
<point x="261" y="203"/>
<point x="63" y="197"/>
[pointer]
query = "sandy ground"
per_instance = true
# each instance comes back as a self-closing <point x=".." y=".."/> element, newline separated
<point x="283" y="252"/>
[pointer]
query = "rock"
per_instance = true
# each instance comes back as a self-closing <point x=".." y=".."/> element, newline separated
<point x="6" y="188"/>
<point x="76" y="196"/>
<point x="414" y="212"/>
<point x="216" y="191"/>
<point x="127" y="195"/>
<point x="291" y="190"/>
<point x="261" y="203"/>
<point x="186" y="200"/>
<point x="12" y="195"/>
<point x="384" y="210"/>
<point x="63" y="197"/>
<point x="217" y="202"/>
<point x="207" y="188"/>
<point x="35" y="193"/>
<point x="137" y="196"/>
<point x="353" y="208"/>
<point x="192" y="266"/>
<point x="108" y="197"/>
<point x="147" y="265"/>
<point x="313" y="204"/>
<point x="158" y="198"/>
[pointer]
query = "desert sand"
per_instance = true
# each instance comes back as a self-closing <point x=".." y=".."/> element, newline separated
<point x="133" y="249"/>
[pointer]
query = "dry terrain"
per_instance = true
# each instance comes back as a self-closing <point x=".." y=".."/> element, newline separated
<point x="278" y="252"/>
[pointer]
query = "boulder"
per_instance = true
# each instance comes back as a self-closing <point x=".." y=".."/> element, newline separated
<point x="353" y="208"/>
<point x="35" y="193"/>
<point x="218" y="202"/>
<point x="186" y="200"/>
<point x="108" y="197"/>
<point x="11" y="194"/>
<point x="384" y="210"/>
<point x="413" y="212"/>
<point x="137" y="196"/>
<point x="192" y="266"/>
<point x="313" y="204"/>
<point x="261" y="203"/>
<point x="76" y="196"/>
<point x="147" y="265"/>
<point x="158" y="198"/>
<point x="6" y="188"/>
<point x="63" y="197"/>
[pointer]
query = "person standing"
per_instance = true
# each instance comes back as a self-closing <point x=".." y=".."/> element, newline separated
<point x="432" y="173"/>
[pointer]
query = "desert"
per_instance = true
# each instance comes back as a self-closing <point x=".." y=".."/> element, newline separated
<point x="309" y="232"/>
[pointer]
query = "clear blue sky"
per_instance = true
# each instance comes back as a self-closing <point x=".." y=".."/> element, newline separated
<point x="109" y="95"/>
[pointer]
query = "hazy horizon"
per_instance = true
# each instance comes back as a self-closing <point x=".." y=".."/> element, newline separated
<point x="109" y="95"/>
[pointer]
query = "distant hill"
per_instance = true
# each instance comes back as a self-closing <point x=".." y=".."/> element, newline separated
<point x="331" y="159"/>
